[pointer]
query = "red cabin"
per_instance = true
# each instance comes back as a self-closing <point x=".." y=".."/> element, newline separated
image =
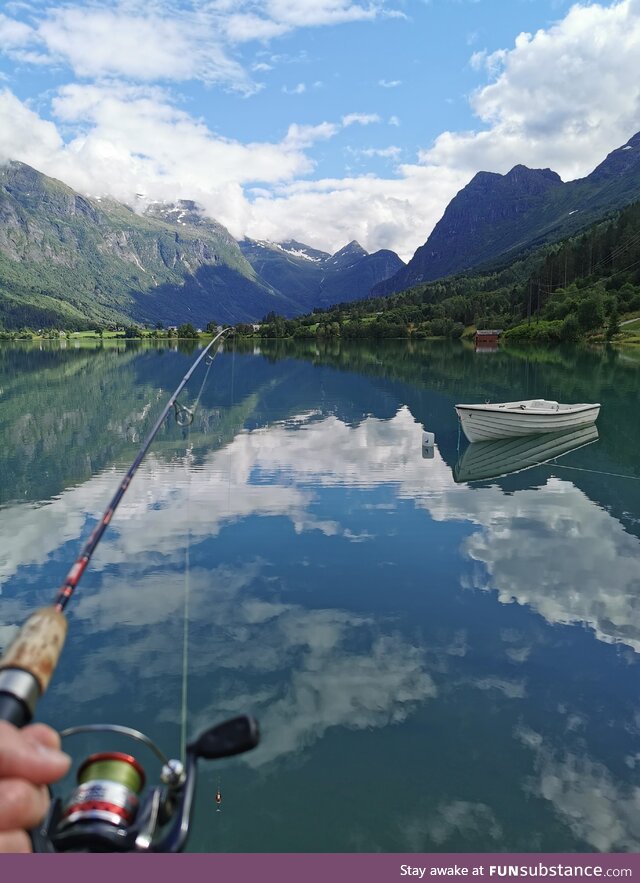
<point x="487" y="339"/>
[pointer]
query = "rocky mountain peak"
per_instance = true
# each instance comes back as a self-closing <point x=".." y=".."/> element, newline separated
<point x="523" y="176"/>
<point x="619" y="162"/>
<point x="349" y="255"/>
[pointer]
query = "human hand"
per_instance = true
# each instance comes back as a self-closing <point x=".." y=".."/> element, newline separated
<point x="30" y="759"/>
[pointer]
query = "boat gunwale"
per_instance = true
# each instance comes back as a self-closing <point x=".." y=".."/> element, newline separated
<point x="546" y="412"/>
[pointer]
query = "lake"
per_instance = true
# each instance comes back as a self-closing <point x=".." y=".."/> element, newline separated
<point x="436" y="665"/>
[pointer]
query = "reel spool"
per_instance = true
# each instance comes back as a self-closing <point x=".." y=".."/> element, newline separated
<point x="109" y="788"/>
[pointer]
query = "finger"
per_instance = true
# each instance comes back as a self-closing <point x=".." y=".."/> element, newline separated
<point x="43" y="735"/>
<point x="30" y="760"/>
<point x="15" y="841"/>
<point x="21" y="805"/>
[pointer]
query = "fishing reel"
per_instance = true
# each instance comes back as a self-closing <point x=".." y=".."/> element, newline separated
<point x="108" y="810"/>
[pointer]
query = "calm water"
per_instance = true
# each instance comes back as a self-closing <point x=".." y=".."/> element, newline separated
<point x="436" y="666"/>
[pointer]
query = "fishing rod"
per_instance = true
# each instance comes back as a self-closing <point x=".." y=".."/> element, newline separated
<point x="109" y="811"/>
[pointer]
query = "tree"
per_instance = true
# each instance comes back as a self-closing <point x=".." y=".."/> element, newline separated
<point x="570" y="329"/>
<point x="186" y="330"/>
<point x="613" y="325"/>
<point x="591" y="312"/>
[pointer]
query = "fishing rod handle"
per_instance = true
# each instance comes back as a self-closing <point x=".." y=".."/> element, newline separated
<point x="28" y="664"/>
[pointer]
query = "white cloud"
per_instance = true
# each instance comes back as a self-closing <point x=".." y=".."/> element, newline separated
<point x="300" y="89"/>
<point x="378" y="212"/>
<point x="562" y="97"/>
<point x="24" y="135"/>
<point x="585" y="795"/>
<point x="391" y="152"/>
<point x="389" y="84"/>
<point x="310" y="13"/>
<point x="246" y="26"/>
<point x="137" y="44"/>
<point x="14" y="34"/>
<point x="303" y="136"/>
<point x="362" y="119"/>
<point x="165" y="40"/>
<point x="335" y="686"/>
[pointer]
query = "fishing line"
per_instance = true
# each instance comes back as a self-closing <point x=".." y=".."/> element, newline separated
<point x="187" y="567"/>
<point x="233" y="372"/>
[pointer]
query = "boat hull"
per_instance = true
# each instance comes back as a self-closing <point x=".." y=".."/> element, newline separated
<point x="485" y="422"/>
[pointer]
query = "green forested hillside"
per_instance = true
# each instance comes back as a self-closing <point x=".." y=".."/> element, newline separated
<point x="558" y="292"/>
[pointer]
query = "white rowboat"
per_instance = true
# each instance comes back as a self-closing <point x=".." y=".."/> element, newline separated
<point x="532" y="417"/>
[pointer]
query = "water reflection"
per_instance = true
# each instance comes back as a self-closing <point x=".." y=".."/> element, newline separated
<point x="517" y="547"/>
<point x="451" y="645"/>
<point x="491" y="459"/>
<point x="585" y="795"/>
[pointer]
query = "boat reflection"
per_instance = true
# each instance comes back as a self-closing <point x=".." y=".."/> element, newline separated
<point x="490" y="459"/>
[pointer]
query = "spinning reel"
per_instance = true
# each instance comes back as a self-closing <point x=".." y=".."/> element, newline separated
<point x="108" y="812"/>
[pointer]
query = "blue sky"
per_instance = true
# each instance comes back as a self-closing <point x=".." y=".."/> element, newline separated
<point x="323" y="120"/>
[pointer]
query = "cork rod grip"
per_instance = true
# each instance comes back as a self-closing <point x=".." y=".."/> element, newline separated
<point x="37" y="646"/>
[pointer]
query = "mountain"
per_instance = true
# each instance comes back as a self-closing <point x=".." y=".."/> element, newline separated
<point x="497" y="217"/>
<point x="347" y="257"/>
<point x="66" y="259"/>
<point x="315" y="278"/>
